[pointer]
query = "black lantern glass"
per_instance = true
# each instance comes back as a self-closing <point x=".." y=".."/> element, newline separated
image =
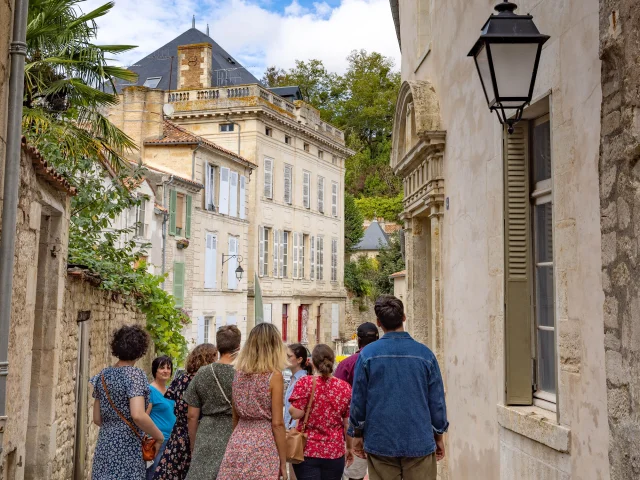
<point x="507" y="55"/>
<point x="239" y="272"/>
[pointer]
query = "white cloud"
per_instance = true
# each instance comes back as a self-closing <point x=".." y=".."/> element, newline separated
<point x="253" y="34"/>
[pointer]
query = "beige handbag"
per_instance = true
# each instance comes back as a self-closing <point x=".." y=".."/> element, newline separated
<point x="297" y="439"/>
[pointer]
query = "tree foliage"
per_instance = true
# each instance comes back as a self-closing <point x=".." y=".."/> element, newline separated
<point x="385" y="207"/>
<point x="353" y="228"/>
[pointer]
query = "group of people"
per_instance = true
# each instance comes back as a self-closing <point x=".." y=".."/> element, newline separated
<point x="226" y="416"/>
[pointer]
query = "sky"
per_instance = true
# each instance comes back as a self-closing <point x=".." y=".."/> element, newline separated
<point x="259" y="33"/>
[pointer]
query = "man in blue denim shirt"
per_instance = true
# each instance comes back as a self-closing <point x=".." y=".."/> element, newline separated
<point x="397" y="403"/>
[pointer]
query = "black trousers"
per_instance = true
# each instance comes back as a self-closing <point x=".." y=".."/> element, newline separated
<point x="319" y="469"/>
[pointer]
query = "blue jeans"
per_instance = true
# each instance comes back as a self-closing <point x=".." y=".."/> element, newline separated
<point x="320" y="469"/>
<point x="152" y="469"/>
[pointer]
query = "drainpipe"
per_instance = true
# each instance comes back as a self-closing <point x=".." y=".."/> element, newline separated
<point x="164" y="225"/>
<point x="18" y="52"/>
<point x="239" y="128"/>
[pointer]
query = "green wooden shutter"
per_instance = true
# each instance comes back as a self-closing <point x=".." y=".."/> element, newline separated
<point x="517" y="222"/>
<point x="187" y="228"/>
<point x="178" y="283"/>
<point x="173" y="201"/>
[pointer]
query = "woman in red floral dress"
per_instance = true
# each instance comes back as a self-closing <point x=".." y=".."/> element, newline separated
<point x="257" y="449"/>
<point x="324" y="454"/>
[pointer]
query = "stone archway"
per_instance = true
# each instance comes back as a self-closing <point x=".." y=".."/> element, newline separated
<point x="416" y="157"/>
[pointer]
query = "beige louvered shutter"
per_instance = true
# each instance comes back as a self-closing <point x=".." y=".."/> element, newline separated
<point x="517" y="221"/>
<point x="261" y="252"/>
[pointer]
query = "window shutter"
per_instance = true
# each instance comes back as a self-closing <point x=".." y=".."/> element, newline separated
<point x="201" y="338"/>
<point x="218" y="325"/>
<point x="261" y="251"/>
<point x="268" y="178"/>
<point x="519" y="376"/>
<point x="178" y="283"/>
<point x="210" y="261"/>
<point x="334" y="259"/>
<point x="321" y="194"/>
<point x="173" y="200"/>
<point x="313" y="258"/>
<point x="320" y="259"/>
<point x="224" y="191"/>
<point x="287" y="184"/>
<point x="266" y="308"/>
<point x="243" y="183"/>
<point x="233" y="194"/>
<point x="209" y="200"/>
<point x="232" y="281"/>
<point x="187" y="227"/>
<point x="306" y="188"/>
<point x="295" y="255"/>
<point x="334" y="199"/>
<point x="276" y="239"/>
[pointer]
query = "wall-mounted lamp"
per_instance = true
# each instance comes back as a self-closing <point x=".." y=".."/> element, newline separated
<point x="239" y="270"/>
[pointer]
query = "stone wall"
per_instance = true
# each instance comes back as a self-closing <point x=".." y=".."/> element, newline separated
<point x="620" y="220"/>
<point x="357" y="312"/>
<point x="107" y="314"/>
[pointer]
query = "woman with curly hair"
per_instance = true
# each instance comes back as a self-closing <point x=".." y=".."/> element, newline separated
<point x="209" y="415"/>
<point x="122" y="390"/>
<point x="257" y="449"/>
<point x="176" y="459"/>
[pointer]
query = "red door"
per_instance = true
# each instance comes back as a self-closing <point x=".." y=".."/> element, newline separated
<point x="300" y="309"/>
<point x="285" y="321"/>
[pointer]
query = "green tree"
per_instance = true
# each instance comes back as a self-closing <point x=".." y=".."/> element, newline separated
<point x="389" y="261"/>
<point x="388" y="208"/>
<point x="68" y="81"/>
<point x="353" y="220"/>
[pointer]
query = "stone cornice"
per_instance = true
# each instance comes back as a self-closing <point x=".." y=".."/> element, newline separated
<point x="429" y="144"/>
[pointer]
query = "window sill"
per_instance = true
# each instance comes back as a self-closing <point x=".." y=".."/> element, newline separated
<point x="537" y="424"/>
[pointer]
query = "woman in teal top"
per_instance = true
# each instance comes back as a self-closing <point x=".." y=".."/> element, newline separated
<point x="160" y="409"/>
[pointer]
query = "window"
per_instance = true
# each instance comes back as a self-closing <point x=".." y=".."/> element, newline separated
<point x="268" y="131"/>
<point x="210" y="260"/>
<point x="284" y="264"/>
<point x="306" y="147"/>
<point x="321" y="194"/>
<point x="288" y="179"/>
<point x="544" y="304"/>
<point x="301" y="254"/>
<point x="208" y="323"/>
<point x="243" y="197"/>
<point x="276" y="253"/>
<point x="180" y="214"/>
<point x="334" y="259"/>
<point x="232" y="280"/>
<point x="152" y="82"/>
<point x="233" y="194"/>
<point x="178" y="283"/>
<point x="285" y="320"/>
<point x="319" y="257"/>
<point x="318" y="324"/>
<point x="267" y="311"/>
<point x="210" y="187"/>
<point x="529" y="267"/>
<point x="223" y="201"/>
<point x="312" y="262"/>
<point x="263" y="251"/>
<point x="334" y="199"/>
<point x="320" y="154"/>
<point x="287" y="139"/>
<point x="334" y="160"/>
<point x="306" y="189"/>
<point x="226" y="127"/>
<point x="268" y="177"/>
<point x="141" y="219"/>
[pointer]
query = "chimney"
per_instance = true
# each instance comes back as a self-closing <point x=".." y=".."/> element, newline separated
<point x="194" y="66"/>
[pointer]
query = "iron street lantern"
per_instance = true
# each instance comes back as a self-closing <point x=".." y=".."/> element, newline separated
<point x="507" y="56"/>
<point x="239" y="272"/>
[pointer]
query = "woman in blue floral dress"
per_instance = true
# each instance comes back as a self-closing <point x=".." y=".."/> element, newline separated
<point x="118" y="454"/>
<point x="176" y="458"/>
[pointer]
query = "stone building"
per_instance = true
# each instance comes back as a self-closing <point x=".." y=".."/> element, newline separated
<point x="503" y="233"/>
<point x="294" y="210"/>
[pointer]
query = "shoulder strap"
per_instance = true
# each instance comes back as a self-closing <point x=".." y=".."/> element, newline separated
<point x="106" y="391"/>
<point x="308" y="412"/>
<point x="219" y="386"/>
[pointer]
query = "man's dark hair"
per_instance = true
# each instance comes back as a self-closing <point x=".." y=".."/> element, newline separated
<point x="129" y="343"/>
<point x="228" y="339"/>
<point x="389" y="311"/>
<point x="161" y="362"/>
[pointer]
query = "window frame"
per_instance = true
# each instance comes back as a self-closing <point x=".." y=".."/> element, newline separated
<point x="226" y="127"/>
<point x="268" y="131"/>
<point x="181" y="202"/>
<point x="155" y="85"/>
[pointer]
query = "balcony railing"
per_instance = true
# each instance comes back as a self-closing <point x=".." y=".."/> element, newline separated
<point x="198" y="100"/>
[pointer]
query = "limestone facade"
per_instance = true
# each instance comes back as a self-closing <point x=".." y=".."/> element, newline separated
<point x="620" y="221"/>
<point x="295" y="194"/>
<point x="448" y="149"/>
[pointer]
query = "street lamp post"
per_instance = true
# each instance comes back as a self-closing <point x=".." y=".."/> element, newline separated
<point x="507" y="55"/>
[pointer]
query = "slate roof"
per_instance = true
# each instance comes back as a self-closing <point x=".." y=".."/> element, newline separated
<point x="173" y="134"/>
<point x="374" y="238"/>
<point x="290" y="93"/>
<point x="158" y="64"/>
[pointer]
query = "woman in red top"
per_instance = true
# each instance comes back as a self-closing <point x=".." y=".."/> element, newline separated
<point x="324" y="454"/>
